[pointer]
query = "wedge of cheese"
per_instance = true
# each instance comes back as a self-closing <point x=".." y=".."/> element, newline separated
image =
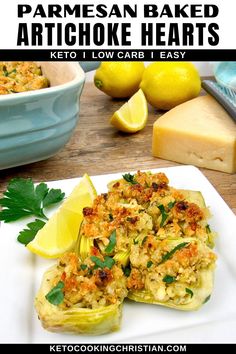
<point x="198" y="132"/>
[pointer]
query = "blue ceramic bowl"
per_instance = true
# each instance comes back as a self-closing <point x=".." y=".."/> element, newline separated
<point x="34" y="125"/>
<point x="225" y="73"/>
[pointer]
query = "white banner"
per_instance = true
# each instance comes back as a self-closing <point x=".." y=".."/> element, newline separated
<point x="124" y="24"/>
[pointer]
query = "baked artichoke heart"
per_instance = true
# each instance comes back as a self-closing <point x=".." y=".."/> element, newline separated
<point x="194" y="197"/>
<point x="74" y="319"/>
<point x="201" y="294"/>
<point x="122" y="257"/>
<point x="83" y="245"/>
<point x="179" y="290"/>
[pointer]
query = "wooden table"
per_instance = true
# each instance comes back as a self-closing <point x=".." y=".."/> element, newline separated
<point x="98" y="148"/>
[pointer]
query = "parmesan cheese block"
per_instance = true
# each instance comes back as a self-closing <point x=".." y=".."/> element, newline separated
<point x="198" y="132"/>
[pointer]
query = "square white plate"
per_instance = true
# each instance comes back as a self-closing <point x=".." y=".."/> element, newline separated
<point x="21" y="273"/>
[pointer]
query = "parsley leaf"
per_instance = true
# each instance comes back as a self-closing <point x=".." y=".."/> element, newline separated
<point x="168" y="255"/>
<point x="207" y="299"/>
<point x="208" y="229"/>
<point x="110" y="216"/>
<point x="129" y="178"/>
<point x="53" y="196"/>
<point x="83" y="266"/>
<point x="108" y="262"/>
<point x="171" y="204"/>
<point x="98" y="262"/>
<point x="112" y="242"/>
<point x="127" y="271"/>
<point x="149" y="264"/>
<point x="27" y="235"/>
<point x="144" y="240"/>
<point x="189" y="291"/>
<point x="7" y="73"/>
<point x="168" y="279"/>
<point x="164" y="215"/>
<point x="41" y="191"/>
<point x="22" y="199"/>
<point x="55" y="295"/>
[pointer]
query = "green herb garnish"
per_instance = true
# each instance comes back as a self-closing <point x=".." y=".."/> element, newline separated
<point x="127" y="271"/>
<point x="110" y="216"/>
<point x="141" y="211"/>
<point x="168" y="279"/>
<point x="7" y="73"/>
<point x="56" y="295"/>
<point x="189" y="291"/>
<point x="83" y="266"/>
<point x="129" y="178"/>
<point x="149" y="264"/>
<point x="112" y="242"/>
<point x="164" y="215"/>
<point x="27" y="235"/>
<point x="135" y="242"/>
<point x="144" y="240"/>
<point x="22" y="199"/>
<point x="107" y="263"/>
<point x="168" y="255"/>
<point x="207" y="299"/>
<point x="98" y="262"/>
<point x="208" y="229"/>
<point x="90" y="271"/>
<point x="171" y="205"/>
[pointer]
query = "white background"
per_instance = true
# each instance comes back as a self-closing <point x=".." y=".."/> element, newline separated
<point x="226" y="19"/>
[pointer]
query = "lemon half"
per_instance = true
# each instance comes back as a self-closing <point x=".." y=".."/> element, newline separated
<point x="59" y="234"/>
<point x="132" y="116"/>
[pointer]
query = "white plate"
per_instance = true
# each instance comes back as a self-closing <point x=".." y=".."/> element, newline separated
<point x="21" y="273"/>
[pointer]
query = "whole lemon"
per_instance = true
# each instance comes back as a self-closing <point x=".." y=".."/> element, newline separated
<point x="119" y="79"/>
<point x="167" y="84"/>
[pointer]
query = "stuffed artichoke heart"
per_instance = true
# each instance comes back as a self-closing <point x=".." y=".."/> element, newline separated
<point x="80" y="297"/>
<point x="172" y="273"/>
<point x="144" y="240"/>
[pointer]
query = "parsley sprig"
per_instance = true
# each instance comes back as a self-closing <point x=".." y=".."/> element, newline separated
<point x="7" y="73"/>
<point x="56" y="295"/>
<point x="108" y="262"/>
<point x="22" y="199"/>
<point x="168" y="279"/>
<point x="112" y="242"/>
<point x="189" y="291"/>
<point x="129" y="178"/>
<point x="164" y="215"/>
<point x="27" y="235"/>
<point x="168" y="255"/>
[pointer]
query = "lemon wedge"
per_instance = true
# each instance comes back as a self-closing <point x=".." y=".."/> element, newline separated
<point x="59" y="234"/>
<point x="132" y="116"/>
